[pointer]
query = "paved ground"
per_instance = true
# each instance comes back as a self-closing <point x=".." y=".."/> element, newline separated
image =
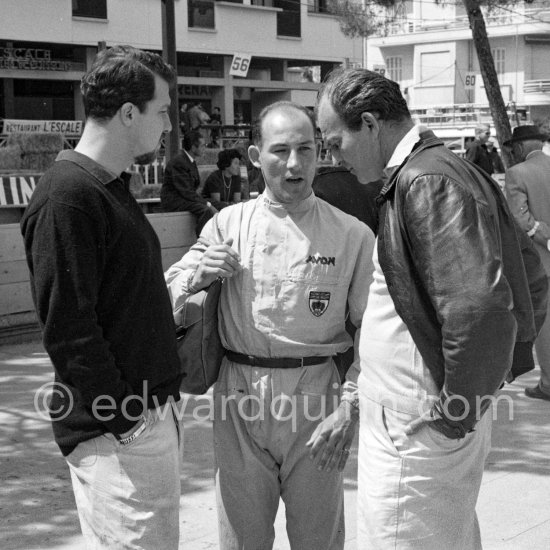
<point x="37" y="508"/>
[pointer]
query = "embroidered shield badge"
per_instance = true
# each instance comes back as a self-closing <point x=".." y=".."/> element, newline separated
<point x="318" y="302"/>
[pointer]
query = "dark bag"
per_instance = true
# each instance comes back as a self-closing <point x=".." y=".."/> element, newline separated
<point x="199" y="346"/>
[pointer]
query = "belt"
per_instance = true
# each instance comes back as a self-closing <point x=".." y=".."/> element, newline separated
<point x="274" y="362"/>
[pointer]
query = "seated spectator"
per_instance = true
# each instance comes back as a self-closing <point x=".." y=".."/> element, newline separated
<point x="224" y="186"/>
<point x="181" y="180"/>
<point x="339" y="187"/>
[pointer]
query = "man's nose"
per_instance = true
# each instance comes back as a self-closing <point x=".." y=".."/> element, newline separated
<point x="293" y="161"/>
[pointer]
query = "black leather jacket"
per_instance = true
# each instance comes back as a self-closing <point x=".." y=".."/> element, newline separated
<point x="452" y="253"/>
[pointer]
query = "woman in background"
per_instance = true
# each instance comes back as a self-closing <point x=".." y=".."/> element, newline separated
<point x="223" y="186"/>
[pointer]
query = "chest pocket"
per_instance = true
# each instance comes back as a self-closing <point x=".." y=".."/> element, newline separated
<point x="319" y="293"/>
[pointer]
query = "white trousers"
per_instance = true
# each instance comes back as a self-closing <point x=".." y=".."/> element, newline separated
<point x="417" y="492"/>
<point x="128" y="496"/>
<point x="263" y="419"/>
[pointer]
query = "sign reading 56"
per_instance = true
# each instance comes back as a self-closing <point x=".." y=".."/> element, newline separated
<point x="240" y="64"/>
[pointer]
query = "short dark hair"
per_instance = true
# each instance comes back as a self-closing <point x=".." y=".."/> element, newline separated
<point x="191" y="138"/>
<point x="278" y="105"/>
<point x="226" y="156"/>
<point x="119" y="75"/>
<point x="351" y="92"/>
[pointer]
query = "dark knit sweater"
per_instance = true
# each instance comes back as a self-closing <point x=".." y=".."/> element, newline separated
<point x="99" y="291"/>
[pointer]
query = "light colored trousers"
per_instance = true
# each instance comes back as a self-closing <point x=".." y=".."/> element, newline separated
<point x="417" y="492"/>
<point x="261" y="458"/>
<point x="542" y="346"/>
<point x="128" y="496"/>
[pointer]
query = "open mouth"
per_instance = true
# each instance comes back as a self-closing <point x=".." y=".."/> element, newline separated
<point x="295" y="180"/>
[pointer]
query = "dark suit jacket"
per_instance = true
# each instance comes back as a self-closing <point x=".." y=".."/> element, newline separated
<point x="341" y="188"/>
<point x="478" y="154"/>
<point x="179" y="190"/>
<point x="527" y="187"/>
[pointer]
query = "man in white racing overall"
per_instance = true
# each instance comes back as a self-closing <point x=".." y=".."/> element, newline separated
<point x="294" y="266"/>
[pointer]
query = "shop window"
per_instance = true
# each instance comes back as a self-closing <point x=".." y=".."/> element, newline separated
<point x="200" y="13"/>
<point x="288" y="20"/>
<point x="96" y="9"/>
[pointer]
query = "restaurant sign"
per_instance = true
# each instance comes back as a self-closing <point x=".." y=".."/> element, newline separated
<point x="31" y="59"/>
<point x="66" y="127"/>
<point x="17" y="190"/>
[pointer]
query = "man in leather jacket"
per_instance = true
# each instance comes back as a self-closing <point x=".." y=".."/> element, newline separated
<point x="458" y="296"/>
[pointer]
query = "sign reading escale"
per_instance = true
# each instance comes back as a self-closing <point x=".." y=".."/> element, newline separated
<point x="66" y="127"/>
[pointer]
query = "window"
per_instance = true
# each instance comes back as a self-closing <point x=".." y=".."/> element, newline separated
<point x="96" y="9"/>
<point x="499" y="57"/>
<point x="288" y="20"/>
<point x="200" y="13"/>
<point x="318" y="6"/>
<point x="394" y="69"/>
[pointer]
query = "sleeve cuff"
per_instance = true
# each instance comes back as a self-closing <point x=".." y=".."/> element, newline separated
<point x="533" y="229"/>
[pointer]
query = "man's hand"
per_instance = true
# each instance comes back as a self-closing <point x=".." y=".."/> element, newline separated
<point x="418" y="423"/>
<point x="433" y="420"/>
<point x="332" y="438"/>
<point x="219" y="260"/>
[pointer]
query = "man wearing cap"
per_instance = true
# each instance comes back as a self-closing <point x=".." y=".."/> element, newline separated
<point x="477" y="150"/>
<point x="527" y="187"/>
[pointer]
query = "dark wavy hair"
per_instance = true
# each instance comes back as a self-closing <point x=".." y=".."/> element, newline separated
<point x="226" y="156"/>
<point x="351" y="92"/>
<point x="119" y="75"/>
<point x="191" y="138"/>
<point x="278" y="105"/>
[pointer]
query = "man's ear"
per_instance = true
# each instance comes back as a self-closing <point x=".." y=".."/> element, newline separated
<point x="254" y="156"/>
<point x="127" y="113"/>
<point x="370" y="122"/>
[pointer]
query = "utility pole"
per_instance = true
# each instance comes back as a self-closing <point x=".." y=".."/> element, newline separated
<point x="170" y="56"/>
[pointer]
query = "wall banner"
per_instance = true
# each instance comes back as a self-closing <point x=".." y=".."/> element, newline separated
<point x="65" y="127"/>
<point x="17" y="190"/>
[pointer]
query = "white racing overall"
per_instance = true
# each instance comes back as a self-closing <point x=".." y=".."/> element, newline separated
<point x="303" y="268"/>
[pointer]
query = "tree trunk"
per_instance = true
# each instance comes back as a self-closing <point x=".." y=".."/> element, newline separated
<point x="490" y="78"/>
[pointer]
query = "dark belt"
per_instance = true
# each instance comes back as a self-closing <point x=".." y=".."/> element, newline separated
<point x="274" y="362"/>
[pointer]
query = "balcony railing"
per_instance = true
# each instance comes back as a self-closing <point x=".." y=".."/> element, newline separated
<point x="498" y="18"/>
<point x="536" y="86"/>
<point x="466" y="114"/>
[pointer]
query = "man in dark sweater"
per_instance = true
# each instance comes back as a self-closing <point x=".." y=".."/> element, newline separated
<point x="99" y="291"/>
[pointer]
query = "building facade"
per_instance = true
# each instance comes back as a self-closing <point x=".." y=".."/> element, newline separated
<point x="429" y="50"/>
<point x="287" y="46"/>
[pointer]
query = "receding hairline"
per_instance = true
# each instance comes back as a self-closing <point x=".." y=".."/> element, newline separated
<point x="286" y="109"/>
